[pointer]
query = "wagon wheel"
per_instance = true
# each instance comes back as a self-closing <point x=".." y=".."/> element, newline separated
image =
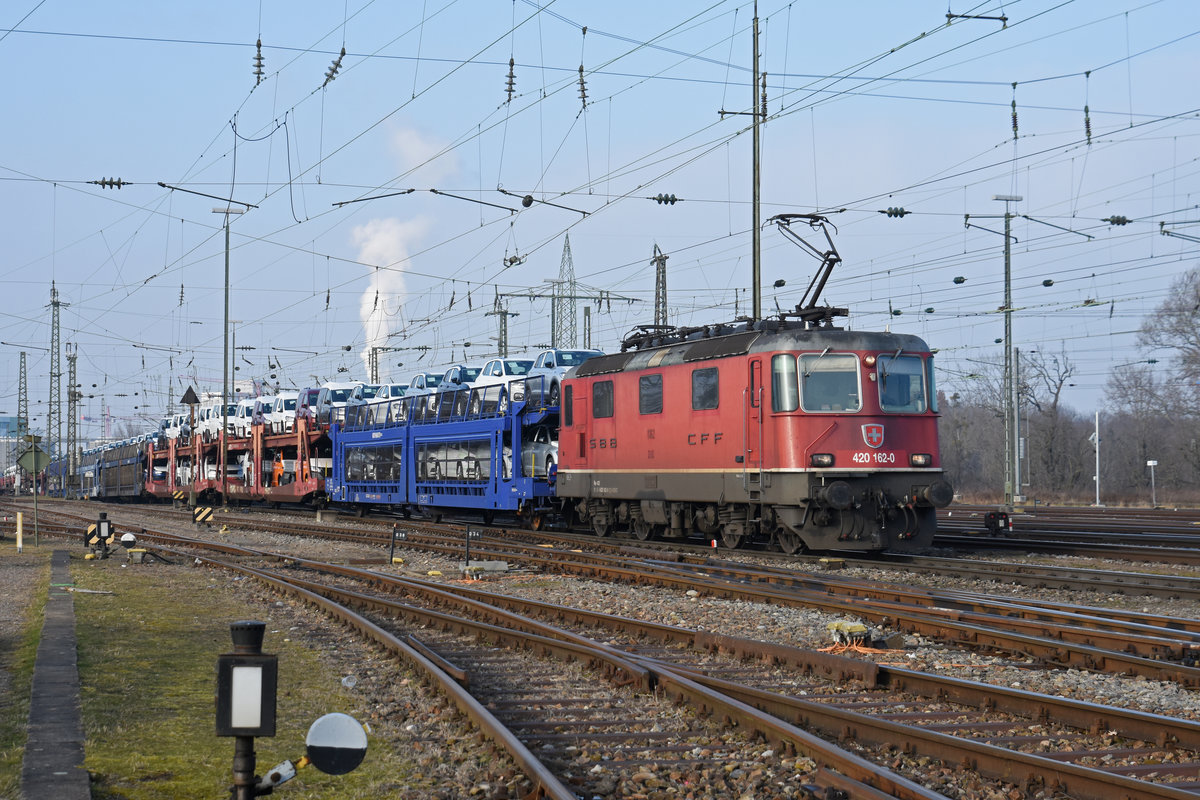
<point x="732" y="537"/>
<point x="644" y="531"/>
<point x="536" y="522"/>
<point x="601" y="526"/>
<point x="489" y="517"/>
<point x="789" y="541"/>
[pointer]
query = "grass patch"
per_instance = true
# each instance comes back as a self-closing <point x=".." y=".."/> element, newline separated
<point x="18" y="651"/>
<point x="147" y="661"/>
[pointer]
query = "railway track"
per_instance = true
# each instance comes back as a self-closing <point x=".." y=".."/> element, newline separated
<point x="1053" y="635"/>
<point x="1081" y="749"/>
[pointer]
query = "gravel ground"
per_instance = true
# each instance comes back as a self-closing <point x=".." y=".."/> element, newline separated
<point x="393" y="699"/>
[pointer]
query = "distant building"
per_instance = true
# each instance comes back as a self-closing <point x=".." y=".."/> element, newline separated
<point x="10" y="440"/>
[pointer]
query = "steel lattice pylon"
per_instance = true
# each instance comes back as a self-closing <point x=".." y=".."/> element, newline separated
<point x="564" y="333"/>
<point x="54" y="418"/>
<point x="73" y="397"/>
<point x="660" y="286"/>
<point x="22" y="407"/>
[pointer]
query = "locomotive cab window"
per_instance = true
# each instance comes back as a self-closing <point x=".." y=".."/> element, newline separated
<point x="704" y="389"/>
<point x="829" y="382"/>
<point x="602" y="399"/>
<point x="568" y="406"/>
<point x="785" y="384"/>
<point x="902" y="384"/>
<point x="650" y="394"/>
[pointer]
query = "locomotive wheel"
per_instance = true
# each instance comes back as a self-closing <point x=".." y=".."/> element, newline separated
<point x="644" y="531"/>
<point x="731" y="538"/>
<point x="789" y="542"/>
<point x="601" y="527"/>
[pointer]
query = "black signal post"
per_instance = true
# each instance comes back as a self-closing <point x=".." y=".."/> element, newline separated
<point x="246" y="688"/>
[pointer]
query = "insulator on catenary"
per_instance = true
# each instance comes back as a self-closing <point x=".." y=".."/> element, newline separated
<point x="332" y="72"/>
<point x="511" y="85"/>
<point x="895" y="211"/>
<point x="668" y="199"/>
<point x="1014" y="109"/>
<point x="582" y="87"/>
<point x="1116" y="219"/>
<point x="258" y="63"/>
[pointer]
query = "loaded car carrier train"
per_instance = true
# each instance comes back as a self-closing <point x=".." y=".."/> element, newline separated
<point x="804" y="436"/>
<point x="786" y="431"/>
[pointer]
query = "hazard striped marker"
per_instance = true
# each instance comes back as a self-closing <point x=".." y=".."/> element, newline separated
<point x="92" y="538"/>
<point x="178" y="496"/>
<point x="202" y="514"/>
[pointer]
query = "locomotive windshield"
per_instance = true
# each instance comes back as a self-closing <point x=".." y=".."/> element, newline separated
<point x="829" y="382"/>
<point x="902" y="384"/>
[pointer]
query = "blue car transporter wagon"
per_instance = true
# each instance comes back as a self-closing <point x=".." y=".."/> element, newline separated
<point x="439" y="456"/>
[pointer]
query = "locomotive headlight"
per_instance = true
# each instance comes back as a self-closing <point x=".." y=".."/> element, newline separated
<point x="920" y="459"/>
<point x="869" y="361"/>
<point x="821" y="459"/>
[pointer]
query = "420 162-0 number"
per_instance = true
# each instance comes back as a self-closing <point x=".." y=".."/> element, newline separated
<point x="874" y="458"/>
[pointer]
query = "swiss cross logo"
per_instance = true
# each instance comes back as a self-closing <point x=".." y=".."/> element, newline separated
<point x="873" y="435"/>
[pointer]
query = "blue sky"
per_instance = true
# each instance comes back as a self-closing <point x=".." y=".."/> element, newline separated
<point x="871" y="105"/>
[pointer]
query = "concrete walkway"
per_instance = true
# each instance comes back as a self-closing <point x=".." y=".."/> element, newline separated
<point x="53" y="766"/>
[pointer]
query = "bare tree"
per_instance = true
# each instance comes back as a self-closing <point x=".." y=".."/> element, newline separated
<point x="1175" y="328"/>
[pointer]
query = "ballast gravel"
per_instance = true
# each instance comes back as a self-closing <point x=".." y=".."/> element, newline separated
<point x="395" y="698"/>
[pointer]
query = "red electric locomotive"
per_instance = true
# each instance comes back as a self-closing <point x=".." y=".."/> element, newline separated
<point x="787" y="430"/>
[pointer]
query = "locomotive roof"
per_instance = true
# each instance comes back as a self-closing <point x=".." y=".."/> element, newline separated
<point x="754" y="341"/>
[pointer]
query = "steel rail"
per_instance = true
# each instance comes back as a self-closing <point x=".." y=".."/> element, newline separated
<point x="948" y="626"/>
<point x="871" y="779"/>
<point x="1000" y="762"/>
<point x="1063" y="775"/>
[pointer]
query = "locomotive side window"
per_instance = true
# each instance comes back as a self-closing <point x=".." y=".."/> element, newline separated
<point x="568" y="406"/>
<point x="785" y="384"/>
<point x="650" y="394"/>
<point x="829" y="382"/>
<point x="704" y="389"/>
<point x="901" y="384"/>
<point x="602" y="399"/>
<point x="933" y="406"/>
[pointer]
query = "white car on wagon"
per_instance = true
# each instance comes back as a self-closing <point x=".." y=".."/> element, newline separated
<point x="500" y="380"/>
